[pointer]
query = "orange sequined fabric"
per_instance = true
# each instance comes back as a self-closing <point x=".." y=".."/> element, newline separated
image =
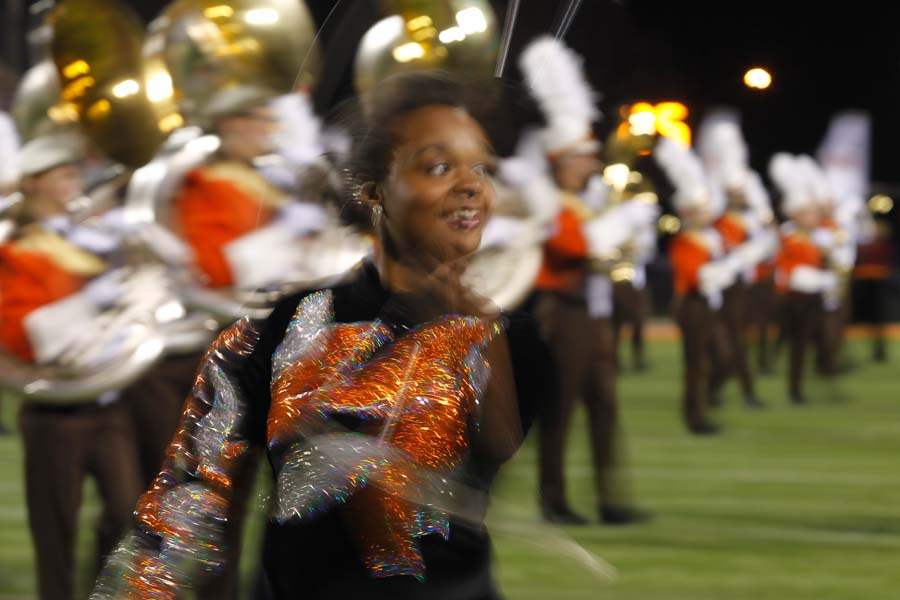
<point x="415" y="398"/>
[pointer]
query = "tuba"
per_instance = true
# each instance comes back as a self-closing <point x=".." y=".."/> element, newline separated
<point x="99" y="81"/>
<point x="459" y="36"/>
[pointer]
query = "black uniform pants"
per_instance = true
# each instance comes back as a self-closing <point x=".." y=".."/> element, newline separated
<point x="62" y="447"/>
<point x="584" y="355"/>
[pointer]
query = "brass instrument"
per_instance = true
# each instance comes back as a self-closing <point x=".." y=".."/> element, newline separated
<point x="210" y="45"/>
<point x="124" y="102"/>
<point x="449" y="35"/>
<point x="626" y="183"/>
<point x="505" y="274"/>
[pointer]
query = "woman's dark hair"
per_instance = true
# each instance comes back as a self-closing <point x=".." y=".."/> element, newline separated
<point x="374" y="119"/>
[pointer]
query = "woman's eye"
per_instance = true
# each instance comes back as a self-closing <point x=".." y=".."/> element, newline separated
<point x="438" y="169"/>
<point x="485" y="170"/>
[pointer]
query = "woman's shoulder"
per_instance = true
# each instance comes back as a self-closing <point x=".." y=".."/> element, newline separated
<point x="346" y="298"/>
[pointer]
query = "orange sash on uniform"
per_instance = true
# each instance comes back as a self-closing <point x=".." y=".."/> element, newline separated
<point x="732" y="230"/>
<point x="688" y="254"/>
<point x="564" y="256"/>
<point x="797" y="249"/>
<point x="211" y="212"/>
<point x="28" y="281"/>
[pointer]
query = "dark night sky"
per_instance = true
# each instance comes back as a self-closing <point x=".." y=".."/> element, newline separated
<point x="823" y="60"/>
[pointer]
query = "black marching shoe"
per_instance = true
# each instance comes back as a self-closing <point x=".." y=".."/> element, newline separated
<point x="561" y="514"/>
<point x="612" y="514"/>
<point x="704" y="428"/>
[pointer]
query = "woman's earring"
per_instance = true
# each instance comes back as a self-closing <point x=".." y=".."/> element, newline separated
<point x="377" y="211"/>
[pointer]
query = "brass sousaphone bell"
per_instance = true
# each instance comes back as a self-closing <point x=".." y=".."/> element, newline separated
<point x="124" y="101"/>
<point x="211" y="45"/>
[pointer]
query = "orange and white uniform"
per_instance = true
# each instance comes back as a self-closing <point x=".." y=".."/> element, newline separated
<point x="698" y="265"/>
<point x="800" y="264"/>
<point x="217" y="205"/>
<point x="565" y="256"/>
<point x="37" y="269"/>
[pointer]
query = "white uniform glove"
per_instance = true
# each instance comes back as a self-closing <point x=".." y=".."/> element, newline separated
<point x="844" y="256"/>
<point x="760" y="247"/>
<point x="607" y="233"/>
<point x="107" y="289"/>
<point x="641" y="214"/>
<point x="165" y="244"/>
<point x="716" y="276"/>
<point x="811" y="280"/>
<point x="823" y="238"/>
<point x="52" y="328"/>
<point x="265" y="256"/>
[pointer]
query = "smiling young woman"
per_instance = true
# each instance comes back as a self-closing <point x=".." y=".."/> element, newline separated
<point x="386" y="403"/>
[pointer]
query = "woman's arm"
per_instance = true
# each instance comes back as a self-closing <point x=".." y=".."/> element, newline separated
<point x="500" y="431"/>
<point x="188" y="522"/>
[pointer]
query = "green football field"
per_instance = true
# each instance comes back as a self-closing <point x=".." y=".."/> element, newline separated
<point x="789" y="503"/>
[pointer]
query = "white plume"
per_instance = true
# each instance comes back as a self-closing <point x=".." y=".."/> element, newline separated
<point x="555" y="75"/>
<point x="724" y="152"/>
<point x="845" y="155"/>
<point x="815" y="180"/>
<point x="790" y="179"/>
<point x="684" y="169"/>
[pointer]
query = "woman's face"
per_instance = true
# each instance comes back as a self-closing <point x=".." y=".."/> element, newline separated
<point x="438" y="192"/>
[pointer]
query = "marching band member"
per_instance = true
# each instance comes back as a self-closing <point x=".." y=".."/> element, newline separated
<point x="701" y="272"/>
<point x="802" y="275"/>
<point x="575" y="293"/>
<point x="231" y="211"/>
<point x="631" y="298"/>
<point x="52" y="285"/>
<point x="836" y="236"/>
<point x="746" y="223"/>
<point x="842" y="162"/>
